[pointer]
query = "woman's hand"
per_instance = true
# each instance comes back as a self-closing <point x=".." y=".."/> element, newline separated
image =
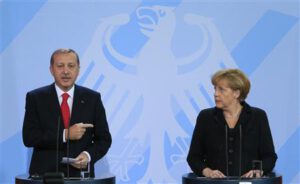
<point x="253" y="174"/>
<point x="207" y="172"/>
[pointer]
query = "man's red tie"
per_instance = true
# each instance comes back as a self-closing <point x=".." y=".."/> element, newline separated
<point x="65" y="109"/>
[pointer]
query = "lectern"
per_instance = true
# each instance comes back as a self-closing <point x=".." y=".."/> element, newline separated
<point x="104" y="179"/>
<point x="192" y="178"/>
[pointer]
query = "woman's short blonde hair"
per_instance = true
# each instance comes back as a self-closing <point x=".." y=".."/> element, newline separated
<point x="236" y="79"/>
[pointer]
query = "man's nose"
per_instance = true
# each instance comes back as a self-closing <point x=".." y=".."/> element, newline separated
<point x="66" y="70"/>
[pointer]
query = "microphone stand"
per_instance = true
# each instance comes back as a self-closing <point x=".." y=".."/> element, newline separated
<point x="68" y="145"/>
<point x="226" y="148"/>
<point x="240" y="151"/>
<point x="55" y="177"/>
<point x="57" y="142"/>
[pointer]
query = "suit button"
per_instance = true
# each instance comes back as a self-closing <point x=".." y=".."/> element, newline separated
<point x="230" y="163"/>
<point x="230" y="150"/>
<point x="231" y="138"/>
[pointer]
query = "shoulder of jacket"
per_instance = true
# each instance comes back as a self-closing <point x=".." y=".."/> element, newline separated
<point x="86" y="90"/>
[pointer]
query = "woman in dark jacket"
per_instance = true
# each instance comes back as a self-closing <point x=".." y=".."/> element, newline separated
<point x="228" y="138"/>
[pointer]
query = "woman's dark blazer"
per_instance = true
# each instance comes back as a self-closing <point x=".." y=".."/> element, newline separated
<point x="208" y="145"/>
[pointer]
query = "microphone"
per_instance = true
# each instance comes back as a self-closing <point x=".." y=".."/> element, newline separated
<point x="55" y="177"/>
<point x="68" y="150"/>
<point x="226" y="148"/>
<point x="57" y="143"/>
<point x="240" y="151"/>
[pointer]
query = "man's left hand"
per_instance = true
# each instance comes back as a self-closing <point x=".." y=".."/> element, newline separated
<point x="81" y="161"/>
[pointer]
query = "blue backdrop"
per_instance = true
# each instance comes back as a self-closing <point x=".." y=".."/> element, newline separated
<point x="152" y="62"/>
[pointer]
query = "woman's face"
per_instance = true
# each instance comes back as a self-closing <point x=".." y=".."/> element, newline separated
<point x="224" y="95"/>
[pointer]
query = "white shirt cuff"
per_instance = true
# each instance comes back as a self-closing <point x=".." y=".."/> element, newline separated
<point x="64" y="136"/>
<point x="88" y="155"/>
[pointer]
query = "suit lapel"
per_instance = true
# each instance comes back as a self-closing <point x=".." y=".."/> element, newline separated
<point x="245" y="117"/>
<point x="54" y="105"/>
<point x="77" y="105"/>
<point x="53" y="101"/>
<point x="219" y="118"/>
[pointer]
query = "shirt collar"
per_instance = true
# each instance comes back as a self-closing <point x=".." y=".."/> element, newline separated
<point x="60" y="92"/>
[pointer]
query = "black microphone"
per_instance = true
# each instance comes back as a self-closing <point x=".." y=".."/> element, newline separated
<point x="226" y="148"/>
<point x="68" y="150"/>
<point x="57" y="143"/>
<point x="240" y="151"/>
<point x="55" y="177"/>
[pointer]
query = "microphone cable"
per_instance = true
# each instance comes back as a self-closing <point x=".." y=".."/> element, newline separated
<point x="240" y="153"/>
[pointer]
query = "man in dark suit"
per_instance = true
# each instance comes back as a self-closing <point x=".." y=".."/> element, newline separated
<point x="65" y="115"/>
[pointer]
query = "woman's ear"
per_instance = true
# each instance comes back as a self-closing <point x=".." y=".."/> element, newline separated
<point x="237" y="93"/>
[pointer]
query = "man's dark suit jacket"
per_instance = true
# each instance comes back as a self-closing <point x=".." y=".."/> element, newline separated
<point x="208" y="145"/>
<point x="43" y="126"/>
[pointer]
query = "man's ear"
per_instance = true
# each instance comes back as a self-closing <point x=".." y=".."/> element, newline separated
<point x="51" y="70"/>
